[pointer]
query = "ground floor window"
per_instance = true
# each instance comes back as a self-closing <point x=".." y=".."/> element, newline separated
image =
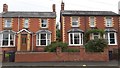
<point x="75" y="38"/>
<point x="95" y="35"/>
<point x="111" y="38"/>
<point x="43" y="39"/>
<point x="7" y="39"/>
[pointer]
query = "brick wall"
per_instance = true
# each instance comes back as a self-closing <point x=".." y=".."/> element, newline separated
<point x="61" y="56"/>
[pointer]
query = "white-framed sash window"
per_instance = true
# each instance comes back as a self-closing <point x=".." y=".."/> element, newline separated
<point x="76" y="39"/>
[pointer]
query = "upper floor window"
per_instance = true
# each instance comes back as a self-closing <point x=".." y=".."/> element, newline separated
<point x="26" y="23"/>
<point x="8" y="23"/>
<point x="109" y="22"/>
<point x="92" y="21"/>
<point x="75" y="22"/>
<point x="44" y="23"/>
<point x="75" y="38"/>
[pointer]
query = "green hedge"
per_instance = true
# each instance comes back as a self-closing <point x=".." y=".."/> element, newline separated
<point x="96" y="45"/>
<point x="64" y="47"/>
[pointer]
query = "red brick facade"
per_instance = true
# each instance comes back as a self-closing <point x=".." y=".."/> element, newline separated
<point x="34" y="26"/>
<point x="66" y="20"/>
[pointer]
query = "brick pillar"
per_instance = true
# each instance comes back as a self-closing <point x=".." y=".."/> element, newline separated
<point x="58" y="50"/>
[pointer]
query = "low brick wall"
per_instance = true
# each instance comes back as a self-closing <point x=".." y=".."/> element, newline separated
<point x="61" y="56"/>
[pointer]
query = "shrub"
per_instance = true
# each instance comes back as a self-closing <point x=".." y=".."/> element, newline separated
<point x="71" y="50"/>
<point x="52" y="47"/>
<point x="96" y="45"/>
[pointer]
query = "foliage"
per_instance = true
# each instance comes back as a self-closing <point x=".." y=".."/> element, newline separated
<point x="7" y="55"/>
<point x="88" y="32"/>
<point x="71" y="50"/>
<point x="52" y="47"/>
<point x="96" y="45"/>
<point x="58" y="35"/>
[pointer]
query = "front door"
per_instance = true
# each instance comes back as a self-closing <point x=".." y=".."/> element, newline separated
<point x="23" y="42"/>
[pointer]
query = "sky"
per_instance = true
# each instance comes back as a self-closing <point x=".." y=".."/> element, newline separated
<point x="46" y="5"/>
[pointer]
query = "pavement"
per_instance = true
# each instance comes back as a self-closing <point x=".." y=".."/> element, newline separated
<point x="58" y="64"/>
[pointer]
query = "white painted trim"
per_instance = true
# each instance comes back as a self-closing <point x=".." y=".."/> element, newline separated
<point x="8" y="41"/>
<point x="114" y="37"/>
<point x="46" y="24"/>
<point x="73" y="39"/>
<point x="40" y="40"/>
<point x="24" y="30"/>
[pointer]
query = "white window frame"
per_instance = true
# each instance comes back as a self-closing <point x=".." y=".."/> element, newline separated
<point x="8" y="41"/>
<point x="39" y="39"/>
<point x="77" y="21"/>
<point x="93" y="36"/>
<point x="44" y="23"/>
<point x="26" y="23"/>
<point x="80" y="38"/>
<point x="92" y="21"/>
<point x="109" y="22"/>
<point x="6" y="23"/>
<point x="108" y="38"/>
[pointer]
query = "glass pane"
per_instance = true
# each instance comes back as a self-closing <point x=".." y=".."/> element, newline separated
<point x="92" y="21"/>
<point x="44" y="25"/>
<point x="23" y="40"/>
<point x="48" y="37"/>
<point x="8" y="23"/>
<point x="48" y="42"/>
<point x="37" y="36"/>
<point x="43" y="42"/>
<point x="44" y="22"/>
<point x="81" y="39"/>
<point x="112" y="41"/>
<point x="5" y="42"/>
<point x="76" y="39"/>
<point x="11" y="36"/>
<point x="75" y="23"/>
<point x="43" y="36"/>
<point x="11" y="42"/>
<point x="71" y="38"/>
<point x="5" y="36"/>
<point x="37" y="42"/>
<point x="111" y="35"/>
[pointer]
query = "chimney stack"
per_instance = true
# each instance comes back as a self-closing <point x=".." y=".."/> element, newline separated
<point x="62" y="6"/>
<point x="53" y="7"/>
<point x="5" y="7"/>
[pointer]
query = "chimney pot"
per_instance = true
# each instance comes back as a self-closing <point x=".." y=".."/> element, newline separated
<point x="5" y="7"/>
<point x="62" y="6"/>
<point x="53" y="7"/>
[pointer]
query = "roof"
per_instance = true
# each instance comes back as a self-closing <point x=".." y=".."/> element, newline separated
<point x="28" y="14"/>
<point x="75" y="30"/>
<point x="44" y="31"/>
<point x="25" y="31"/>
<point x="73" y="12"/>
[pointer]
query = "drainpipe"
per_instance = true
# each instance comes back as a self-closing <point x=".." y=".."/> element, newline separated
<point x="18" y="23"/>
<point x="32" y="42"/>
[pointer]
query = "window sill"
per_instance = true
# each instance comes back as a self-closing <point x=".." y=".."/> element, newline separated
<point x="41" y="45"/>
<point x="112" y="44"/>
<point x="75" y="45"/>
<point x="7" y="46"/>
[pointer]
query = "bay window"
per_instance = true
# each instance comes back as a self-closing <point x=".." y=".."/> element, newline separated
<point x="7" y="39"/>
<point x="111" y="38"/>
<point x="75" y="38"/>
<point x="43" y="39"/>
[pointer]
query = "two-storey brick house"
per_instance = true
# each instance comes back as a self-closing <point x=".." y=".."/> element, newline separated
<point x="74" y="24"/>
<point x="26" y="31"/>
